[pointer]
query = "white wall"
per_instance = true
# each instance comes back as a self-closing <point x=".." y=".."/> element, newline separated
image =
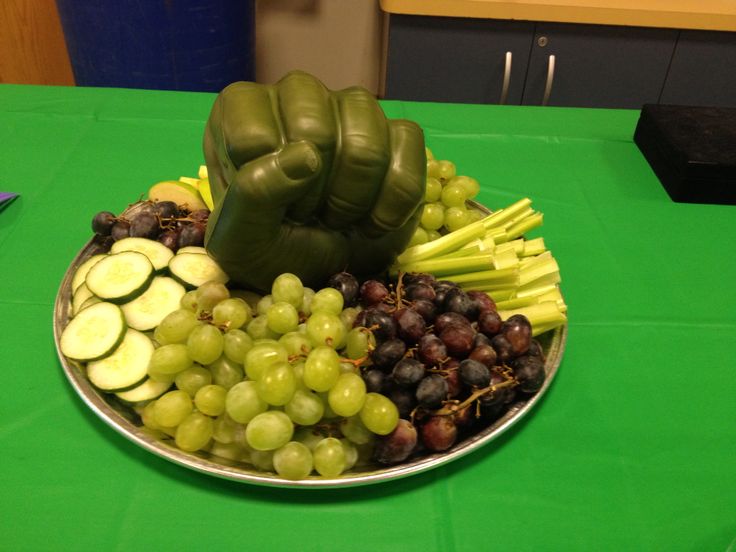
<point x="339" y="41"/>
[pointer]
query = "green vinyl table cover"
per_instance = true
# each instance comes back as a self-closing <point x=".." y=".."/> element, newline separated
<point x="632" y="448"/>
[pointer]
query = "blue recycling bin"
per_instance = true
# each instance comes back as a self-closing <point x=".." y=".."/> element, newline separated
<point x="197" y="45"/>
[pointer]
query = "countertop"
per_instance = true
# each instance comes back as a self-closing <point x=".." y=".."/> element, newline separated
<point x="632" y="448"/>
<point x="715" y="15"/>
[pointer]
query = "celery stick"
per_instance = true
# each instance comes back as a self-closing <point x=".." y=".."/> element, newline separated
<point x="445" y="244"/>
<point x="446" y="267"/>
<point x="517" y="302"/>
<point x="534" y="272"/>
<point x="523" y="226"/>
<point x="533" y="247"/>
<point x="475" y="249"/>
<point x="516" y="245"/>
<point x="545" y="315"/>
<point x="536" y="290"/>
<point x="505" y="259"/>
<point x="501" y="294"/>
<point x="500" y="217"/>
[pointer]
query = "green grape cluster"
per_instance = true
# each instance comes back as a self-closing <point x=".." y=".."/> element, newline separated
<point x="272" y="381"/>
<point x="445" y="201"/>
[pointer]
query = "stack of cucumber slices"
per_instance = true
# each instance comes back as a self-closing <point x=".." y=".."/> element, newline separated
<point x="117" y="299"/>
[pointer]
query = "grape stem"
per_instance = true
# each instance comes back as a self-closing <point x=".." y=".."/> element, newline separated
<point x="451" y="407"/>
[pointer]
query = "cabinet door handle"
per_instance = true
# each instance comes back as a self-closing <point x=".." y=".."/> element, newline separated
<point x="550" y="79"/>
<point x="506" y="79"/>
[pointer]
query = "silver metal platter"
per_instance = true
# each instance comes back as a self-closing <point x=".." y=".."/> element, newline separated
<point x="125" y="421"/>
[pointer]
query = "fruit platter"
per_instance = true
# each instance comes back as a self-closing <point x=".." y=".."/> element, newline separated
<point x="299" y="365"/>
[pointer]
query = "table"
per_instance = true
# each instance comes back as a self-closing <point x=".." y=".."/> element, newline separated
<point x="633" y="447"/>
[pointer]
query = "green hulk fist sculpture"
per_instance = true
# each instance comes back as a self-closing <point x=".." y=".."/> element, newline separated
<point x="309" y="181"/>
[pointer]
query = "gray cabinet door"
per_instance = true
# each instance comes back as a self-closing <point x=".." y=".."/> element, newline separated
<point x="598" y="65"/>
<point x="703" y="70"/>
<point x="449" y="59"/>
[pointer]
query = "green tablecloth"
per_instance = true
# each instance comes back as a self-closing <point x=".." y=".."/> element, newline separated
<point x="633" y="448"/>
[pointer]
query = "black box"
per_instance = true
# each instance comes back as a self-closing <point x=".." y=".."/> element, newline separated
<point x="692" y="150"/>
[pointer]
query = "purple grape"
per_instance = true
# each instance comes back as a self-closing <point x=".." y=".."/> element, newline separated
<point x="431" y="350"/>
<point x="120" y="230"/>
<point x="103" y="222"/>
<point x="192" y="235"/>
<point x="454" y="384"/>
<point x="144" y="225"/>
<point x="374" y="381"/>
<point x="489" y="323"/>
<point x="388" y="353"/>
<point x="431" y="391"/>
<point x="372" y="292"/>
<point x="503" y="348"/>
<point x="485" y="354"/>
<point x="167" y="210"/>
<point x="456" y="300"/>
<point x="458" y="339"/>
<point x="518" y="331"/>
<point x="439" y="433"/>
<point x="404" y="401"/>
<point x="529" y="372"/>
<point x="426" y="309"/>
<point x="170" y="238"/>
<point x="418" y="278"/>
<point x="418" y="291"/>
<point x="482" y="301"/>
<point x="398" y="445"/>
<point x="347" y="285"/>
<point x="474" y="373"/>
<point x="200" y="215"/>
<point x="410" y="325"/>
<point x="480" y="339"/>
<point x="447" y="319"/>
<point x="408" y="372"/>
<point x="464" y="417"/>
<point x="380" y="323"/>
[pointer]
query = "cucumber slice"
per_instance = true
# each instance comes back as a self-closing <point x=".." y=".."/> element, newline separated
<point x="194" y="269"/>
<point x="157" y="253"/>
<point x="94" y="333"/>
<point x="126" y="367"/>
<point x="80" y="296"/>
<point x="192" y="249"/>
<point x="148" y="390"/>
<point x="81" y="273"/>
<point x="93" y="300"/>
<point x="120" y="277"/>
<point x="146" y="311"/>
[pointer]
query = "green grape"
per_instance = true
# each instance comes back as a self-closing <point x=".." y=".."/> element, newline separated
<point x="453" y="195"/>
<point x="193" y="379"/>
<point x="225" y="372"/>
<point x="347" y="396"/>
<point x="359" y="343"/>
<point x="379" y="414"/>
<point x="418" y="237"/>
<point x="258" y="329"/>
<point x="348" y="317"/>
<point x="293" y="461"/>
<point x="224" y="429"/>
<point x="324" y="328"/>
<point x="175" y="327"/>
<point x="308" y="436"/>
<point x="305" y="408"/>
<point x="329" y="413"/>
<point x="327" y="300"/>
<point x="205" y="344"/>
<point x="194" y="432"/>
<point x="468" y="183"/>
<point x="228" y="451"/>
<point x="433" y="190"/>
<point x="354" y="429"/>
<point x="433" y="168"/>
<point x="242" y="402"/>
<point x="456" y="218"/>
<point x="276" y="384"/>
<point x="329" y="457"/>
<point x="269" y="430"/>
<point x="322" y="368"/>
<point x="265" y="302"/>
<point x="433" y="235"/>
<point x="262" y="355"/>
<point x="160" y="376"/>
<point x="428" y="153"/>
<point x="231" y="313"/>
<point x="262" y="460"/>
<point x="446" y="169"/>
<point x="474" y="215"/>
<point x="169" y="359"/>
<point x="147" y="416"/>
<point x="236" y="343"/>
<point x="250" y="297"/>
<point x="433" y="215"/>
<point x="210" y="399"/>
<point x="351" y="454"/>
<point x="296" y="344"/>
<point x="348" y="368"/>
<point x="209" y="294"/>
<point x="288" y="288"/>
<point x="307" y="297"/>
<point x="189" y="301"/>
<point x="282" y="317"/>
<point x="171" y="408"/>
<point x="298" y="368"/>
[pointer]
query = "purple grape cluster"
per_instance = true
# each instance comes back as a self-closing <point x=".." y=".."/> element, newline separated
<point x="445" y="358"/>
<point x="173" y="226"/>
